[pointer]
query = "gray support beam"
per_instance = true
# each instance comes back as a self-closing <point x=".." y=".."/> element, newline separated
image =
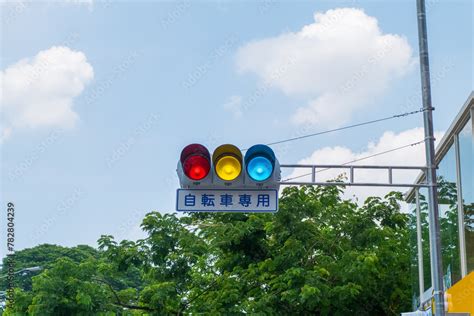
<point x="435" y="235"/>
<point x="419" y="241"/>
<point x="313" y="169"/>
<point x="461" y="229"/>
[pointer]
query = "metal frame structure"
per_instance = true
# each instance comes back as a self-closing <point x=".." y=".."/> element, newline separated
<point x="461" y="229"/>
<point x="419" y="245"/>
<point x="449" y="141"/>
<point x="351" y="168"/>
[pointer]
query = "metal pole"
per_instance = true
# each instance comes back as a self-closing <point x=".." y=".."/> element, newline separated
<point x="419" y="233"/>
<point x="435" y="235"/>
<point x="461" y="228"/>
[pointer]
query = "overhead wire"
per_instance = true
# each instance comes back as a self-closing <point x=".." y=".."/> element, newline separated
<point x="345" y="127"/>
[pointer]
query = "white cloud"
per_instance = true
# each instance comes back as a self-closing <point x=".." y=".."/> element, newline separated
<point x="234" y="106"/>
<point x="39" y="92"/>
<point x="410" y="156"/>
<point x="339" y="64"/>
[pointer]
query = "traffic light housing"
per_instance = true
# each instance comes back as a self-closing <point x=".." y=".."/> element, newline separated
<point x="228" y="168"/>
<point x="195" y="162"/>
<point x="227" y="162"/>
<point x="260" y="163"/>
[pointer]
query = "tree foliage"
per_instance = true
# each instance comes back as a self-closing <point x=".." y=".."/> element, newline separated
<point x="44" y="256"/>
<point x="319" y="255"/>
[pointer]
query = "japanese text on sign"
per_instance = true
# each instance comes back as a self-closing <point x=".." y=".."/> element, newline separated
<point x="227" y="200"/>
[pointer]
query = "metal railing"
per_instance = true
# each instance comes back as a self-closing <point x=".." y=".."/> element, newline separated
<point x="313" y="170"/>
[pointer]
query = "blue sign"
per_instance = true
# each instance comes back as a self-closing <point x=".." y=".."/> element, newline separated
<point x="208" y="200"/>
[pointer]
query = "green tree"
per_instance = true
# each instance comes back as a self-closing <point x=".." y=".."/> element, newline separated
<point x="319" y="255"/>
<point x="44" y="256"/>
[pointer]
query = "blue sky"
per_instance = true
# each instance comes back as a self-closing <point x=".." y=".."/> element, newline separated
<point x="142" y="80"/>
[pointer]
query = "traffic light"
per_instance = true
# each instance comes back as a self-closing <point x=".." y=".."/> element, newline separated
<point x="195" y="162"/>
<point x="227" y="160"/>
<point x="260" y="163"/>
<point x="228" y="168"/>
